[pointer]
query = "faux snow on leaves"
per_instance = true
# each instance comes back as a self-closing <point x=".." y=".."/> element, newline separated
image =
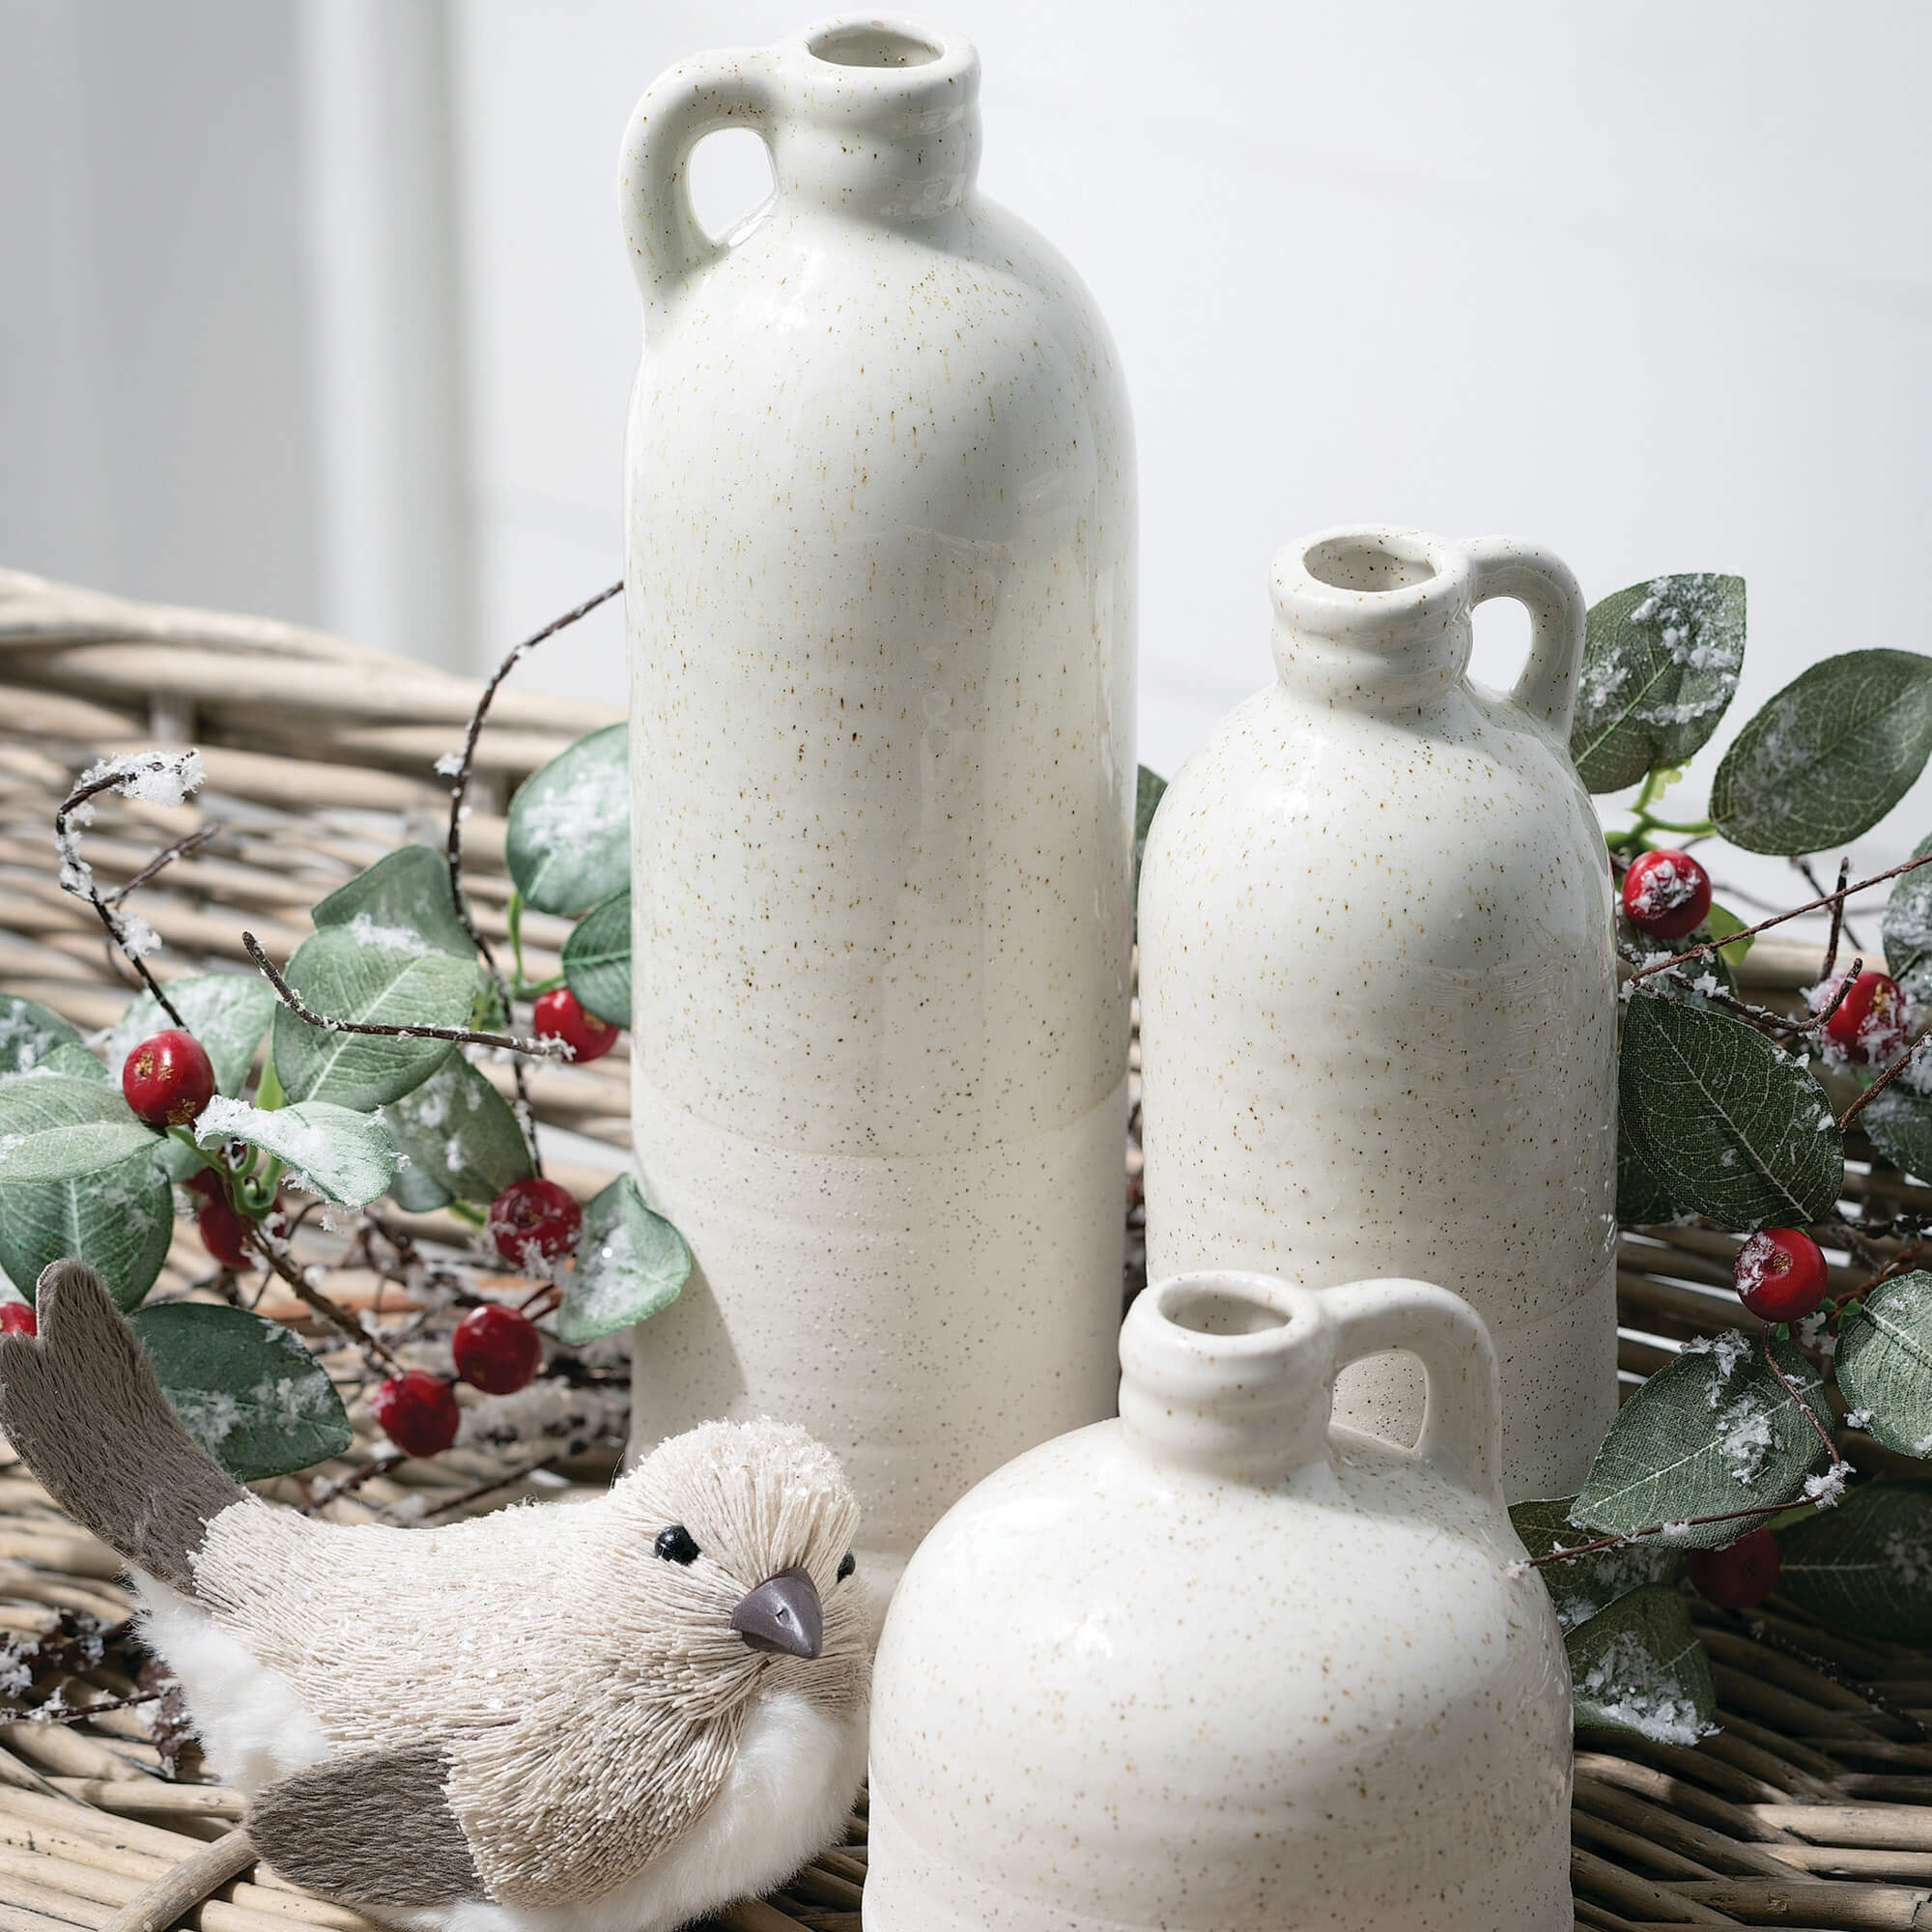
<point x="462" y="1140"/>
<point x="629" y="1263"/>
<point x="1716" y="1120"/>
<point x="1714" y="1430"/>
<point x="1586" y="1585"/>
<point x="62" y="1126"/>
<point x="1865" y="1568"/>
<point x="227" y="1013"/>
<point x="1829" y="756"/>
<point x="29" y="1031"/>
<point x="569" y="838"/>
<point x="402" y="904"/>
<point x="334" y="1151"/>
<point x="1640" y="1667"/>
<point x="1660" y="662"/>
<point x="1885" y="1362"/>
<point x="245" y="1387"/>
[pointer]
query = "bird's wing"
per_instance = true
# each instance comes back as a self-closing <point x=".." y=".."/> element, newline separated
<point x="370" y="1828"/>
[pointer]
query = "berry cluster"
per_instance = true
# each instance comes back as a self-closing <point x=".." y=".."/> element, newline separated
<point x="534" y="1224"/>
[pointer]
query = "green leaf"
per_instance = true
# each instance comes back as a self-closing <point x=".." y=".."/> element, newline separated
<point x="334" y="1151"/>
<point x="1865" y="1568"/>
<point x="460" y="1134"/>
<point x="1660" y="663"/>
<point x="228" y="1012"/>
<point x="1829" y="756"/>
<point x="1643" y="1200"/>
<point x="1908" y="929"/>
<point x="1730" y="1126"/>
<point x="75" y="1060"/>
<point x="342" y="978"/>
<point x="1150" y="788"/>
<point x="29" y="1031"/>
<point x="1585" y="1585"/>
<point x="402" y="904"/>
<point x="569" y="838"/>
<point x="1719" y="922"/>
<point x="597" y="959"/>
<point x="629" y="1263"/>
<point x="1884" y="1362"/>
<point x="1713" y="1429"/>
<point x="117" y="1219"/>
<point x="55" y="1126"/>
<point x="1899" y="1124"/>
<point x="1640" y="1667"/>
<point x="245" y="1387"/>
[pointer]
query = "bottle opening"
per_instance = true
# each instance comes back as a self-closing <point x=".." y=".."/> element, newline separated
<point x="870" y="44"/>
<point x="1218" y="1308"/>
<point x="1367" y="563"/>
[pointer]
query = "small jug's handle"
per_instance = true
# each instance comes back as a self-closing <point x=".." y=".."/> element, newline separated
<point x="698" y="96"/>
<point x="1545" y="586"/>
<point x="1462" y="1420"/>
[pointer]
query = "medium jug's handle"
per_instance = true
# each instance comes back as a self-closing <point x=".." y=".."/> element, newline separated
<point x="734" y="88"/>
<point x="1462" y="1420"/>
<point x="1545" y="586"/>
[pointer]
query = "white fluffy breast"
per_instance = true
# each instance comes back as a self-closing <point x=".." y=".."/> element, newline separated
<point x="252" y="1724"/>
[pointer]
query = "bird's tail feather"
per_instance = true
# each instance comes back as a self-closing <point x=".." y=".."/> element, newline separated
<point x="81" y="1404"/>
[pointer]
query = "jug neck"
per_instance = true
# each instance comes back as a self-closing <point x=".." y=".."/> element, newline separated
<point x="879" y="117"/>
<point x="1371" y="617"/>
<point x="1228" y="1372"/>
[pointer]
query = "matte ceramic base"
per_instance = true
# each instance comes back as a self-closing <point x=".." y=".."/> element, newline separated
<point x="928" y="1317"/>
<point x="909" y="1890"/>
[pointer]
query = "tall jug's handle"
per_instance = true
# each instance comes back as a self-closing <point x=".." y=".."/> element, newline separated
<point x="1462" y="1421"/>
<point x="731" y="89"/>
<point x="1545" y="586"/>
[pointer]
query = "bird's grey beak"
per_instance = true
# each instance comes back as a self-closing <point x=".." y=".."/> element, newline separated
<point x="782" y="1613"/>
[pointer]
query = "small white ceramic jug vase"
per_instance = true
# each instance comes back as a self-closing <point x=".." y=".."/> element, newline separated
<point x="1219" y="1666"/>
<point x="1377" y="987"/>
<point x="880" y="590"/>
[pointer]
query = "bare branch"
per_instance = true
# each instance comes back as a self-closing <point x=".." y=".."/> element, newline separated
<point x="333" y="1313"/>
<point x="1838" y="917"/>
<point x="1709" y="945"/>
<point x="538" y="1049"/>
<point x="1884" y="1080"/>
<point x="166" y="857"/>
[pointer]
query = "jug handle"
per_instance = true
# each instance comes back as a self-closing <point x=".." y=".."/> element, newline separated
<point x="699" y="97"/>
<point x="1547" y="587"/>
<point x="1462" y="1420"/>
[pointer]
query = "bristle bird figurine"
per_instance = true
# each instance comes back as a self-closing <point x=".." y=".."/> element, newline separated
<point x="614" y="1716"/>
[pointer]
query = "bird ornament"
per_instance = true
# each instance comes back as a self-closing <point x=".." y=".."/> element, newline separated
<point x="611" y="1716"/>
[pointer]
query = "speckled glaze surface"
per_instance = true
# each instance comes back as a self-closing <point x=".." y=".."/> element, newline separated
<point x="1219" y="1666"/>
<point x="1377" y="986"/>
<point x="880" y="576"/>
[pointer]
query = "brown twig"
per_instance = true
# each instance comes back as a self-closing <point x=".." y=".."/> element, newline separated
<point x="348" y="1484"/>
<point x="1762" y="1017"/>
<point x="166" y="857"/>
<point x="538" y="1049"/>
<point x="330" y="1311"/>
<point x="78" y="1713"/>
<point x="1791" y="1390"/>
<point x="453" y="847"/>
<point x="1838" y="917"/>
<point x="1709" y="945"/>
<point x="67" y="840"/>
<point x="504" y="1481"/>
<point x="1884" y="1080"/>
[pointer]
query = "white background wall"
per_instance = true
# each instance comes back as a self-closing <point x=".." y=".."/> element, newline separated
<point x="326" y="311"/>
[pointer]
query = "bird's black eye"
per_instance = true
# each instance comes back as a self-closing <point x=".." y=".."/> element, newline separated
<point x="846" y="1565"/>
<point x="675" y="1544"/>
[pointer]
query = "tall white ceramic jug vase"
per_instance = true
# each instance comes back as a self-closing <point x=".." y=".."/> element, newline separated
<point x="1377" y="986"/>
<point x="1216" y="1666"/>
<point x="880" y="577"/>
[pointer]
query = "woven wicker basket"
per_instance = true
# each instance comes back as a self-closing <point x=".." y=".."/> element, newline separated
<point x="1813" y="1806"/>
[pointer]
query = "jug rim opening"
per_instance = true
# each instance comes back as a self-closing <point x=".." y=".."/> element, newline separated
<point x="884" y="60"/>
<point x="1370" y="576"/>
<point x="1226" y="1308"/>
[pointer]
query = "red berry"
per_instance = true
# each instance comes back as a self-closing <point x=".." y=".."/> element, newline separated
<point x="497" y="1350"/>
<point x="1871" y="1021"/>
<point x="17" y="1318"/>
<point x="561" y="1016"/>
<point x="168" y="1080"/>
<point x="1779" y="1274"/>
<point x="534" y="1220"/>
<point x="417" y="1412"/>
<point x="224" y="1232"/>
<point x="206" y="1182"/>
<point x="1738" y="1575"/>
<point x="1667" y="893"/>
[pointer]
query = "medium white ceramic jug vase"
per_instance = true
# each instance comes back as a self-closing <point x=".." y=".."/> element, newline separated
<point x="1377" y="986"/>
<point x="880" y="581"/>
<point x="1217" y="1666"/>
